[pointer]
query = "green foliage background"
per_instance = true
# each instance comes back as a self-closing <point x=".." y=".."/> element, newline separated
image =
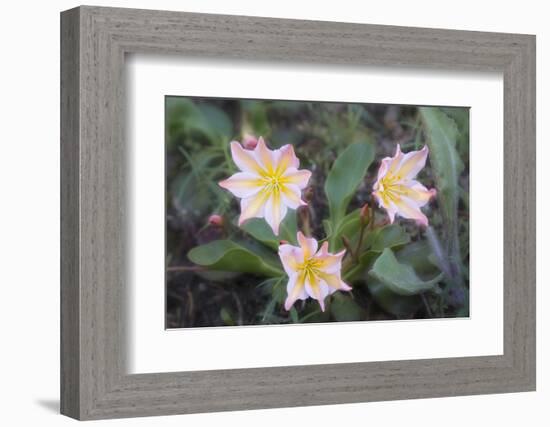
<point x="232" y="276"/>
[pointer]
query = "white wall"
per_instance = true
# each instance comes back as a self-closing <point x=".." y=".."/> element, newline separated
<point x="29" y="190"/>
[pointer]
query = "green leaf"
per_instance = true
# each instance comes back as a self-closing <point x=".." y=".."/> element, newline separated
<point x="418" y="255"/>
<point x="179" y="111"/>
<point x="461" y="116"/>
<point x="186" y="199"/>
<point x="327" y="226"/>
<point x="442" y="134"/>
<point x="281" y="136"/>
<point x="398" y="305"/>
<point x="217" y="120"/>
<point x="344" y="309"/>
<point x="313" y="314"/>
<point x="183" y="188"/>
<point x="345" y="176"/>
<point x="390" y="236"/>
<point x="186" y="118"/>
<point x="261" y="231"/>
<point x="275" y="287"/>
<point x="255" y="118"/>
<point x="226" y="255"/>
<point x="400" y="278"/>
<point x="349" y="226"/>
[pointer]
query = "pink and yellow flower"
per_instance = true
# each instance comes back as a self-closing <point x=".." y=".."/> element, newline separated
<point x="311" y="273"/>
<point x="396" y="189"/>
<point x="268" y="184"/>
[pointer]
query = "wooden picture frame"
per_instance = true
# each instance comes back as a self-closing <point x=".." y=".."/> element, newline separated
<point x="94" y="382"/>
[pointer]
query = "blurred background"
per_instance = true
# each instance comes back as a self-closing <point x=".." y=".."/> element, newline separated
<point x="198" y="132"/>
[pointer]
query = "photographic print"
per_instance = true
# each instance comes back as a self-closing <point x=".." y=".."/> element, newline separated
<point x="286" y="212"/>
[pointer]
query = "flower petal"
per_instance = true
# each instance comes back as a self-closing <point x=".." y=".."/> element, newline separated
<point x="309" y="245"/>
<point x="383" y="169"/>
<point x="412" y="163"/>
<point x="391" y="210"/>
<point x="265" y="156"/>
<point x="275" y="211"/>
<point x="416" y="191"/>
<point x="384" y="201"/>
<point x="297" y="177"/>
<point x="244" y="159"/>
<point x="395" y="160"/>
<point x="242" y="184"/>
<point x="408" y="208"/>
<point x="329" y="263"/>
<point x="287" y="158"/>
<point x="380" y="199"/>
<point x="317" y="289"/>
<point x="295" y="289"/>
<point x="291" y="258"/>
<point x="253" y="207"/>
<point x="334" y="282"/>
<point x="291" y="196"/>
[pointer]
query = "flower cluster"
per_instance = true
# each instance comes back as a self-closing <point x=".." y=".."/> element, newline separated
<point x="269" y="183"/>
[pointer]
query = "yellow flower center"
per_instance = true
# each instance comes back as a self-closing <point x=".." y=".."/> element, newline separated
<point x="310" y="268"/>
<point x="389" y="187"/>
<point x="273" y="181"/>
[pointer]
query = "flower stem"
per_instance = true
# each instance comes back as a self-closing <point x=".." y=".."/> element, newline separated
<point x="305" y="220"/>
<point x="347" y="244"/>
<point x="360" y="242"/>
<point x="426" y="305"/>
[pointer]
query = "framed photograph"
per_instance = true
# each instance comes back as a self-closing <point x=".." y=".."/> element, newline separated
<point x="307" y="231"/>
<point x="263" y="213"/>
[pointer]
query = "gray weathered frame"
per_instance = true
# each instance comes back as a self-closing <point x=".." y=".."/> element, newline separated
<point x="94" y="42"/>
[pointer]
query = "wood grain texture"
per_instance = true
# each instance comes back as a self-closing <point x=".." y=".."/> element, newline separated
<point x="94" y="382"/>
<point x="70" y="314"/>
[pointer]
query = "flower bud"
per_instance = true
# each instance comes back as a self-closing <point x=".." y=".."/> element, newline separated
<point x="308" y="194"/>
<point x="250" y="142"/>
<point x="215" y="220"/>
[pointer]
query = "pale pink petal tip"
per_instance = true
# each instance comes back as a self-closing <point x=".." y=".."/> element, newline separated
<point x="288" y="304"/>
<point x="341" y="254"/>
<point x="260" y="145"/>
<point x="322" y="304"/>
<point x="345" y="287"/>
<point x="422" y="222"/>
<point x="235" y="145"/>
